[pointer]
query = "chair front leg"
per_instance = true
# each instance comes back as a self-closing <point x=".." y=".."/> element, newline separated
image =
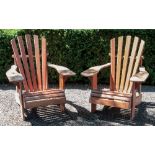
<point x="133" y="101"/>
<point x="62" y="80"/>
<point x="19" y="88"/>
<point x="93" y="80"/>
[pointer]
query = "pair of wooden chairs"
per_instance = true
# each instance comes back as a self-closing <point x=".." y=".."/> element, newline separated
<point x="30" y="75"/>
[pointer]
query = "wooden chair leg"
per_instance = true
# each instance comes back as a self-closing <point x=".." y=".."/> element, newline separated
<point x="19" y="88"/>
<point x="94" y="82"/>
<point x="132" y="112"/>
<point x="22" y="113"/>
<point x="34" y="110"/>
<point x="133" y="101"/>
<point x="93" y="107"/>
<point x="93" y="86"/>
<point x="62" y="81"/>
<point x="62" y="107"/>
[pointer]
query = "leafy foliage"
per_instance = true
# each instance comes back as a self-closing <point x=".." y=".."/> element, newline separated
<point x="78" y="50"/>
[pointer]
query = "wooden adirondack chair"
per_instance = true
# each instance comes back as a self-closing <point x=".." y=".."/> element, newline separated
<point x="125" y="79"/>
<point x="31" y="62"/>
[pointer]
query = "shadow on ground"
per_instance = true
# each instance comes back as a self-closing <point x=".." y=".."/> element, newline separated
<point x="51" y="115"/>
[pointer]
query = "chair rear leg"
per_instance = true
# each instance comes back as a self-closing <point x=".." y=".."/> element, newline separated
<point x="133" y="102"/>
<point x="132" y="113"/>
<point x="34" y="110"/>
<point x="93" y="107"/>
<point x="22" y="112"/>
<point x="62" y="107"/>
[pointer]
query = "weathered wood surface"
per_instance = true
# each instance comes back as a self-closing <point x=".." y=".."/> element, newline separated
<point x="119" y="62"/>
<point x="113" y="64"/>
<point x="94" y="70"/>
<point x="140" y="76"/>
<point x="44" y="98"/>
<point x="137" y="62"/>
<point x="19" y="63"/>
<point x="64" y="71"/>
<point x="38" y="63"/>
<point x="125" y="62"/>
<point x="13" y="75"/>
<point x="131" y="63"/>
<point x="113" y="103"/>
<point x="126" y="57"/>
<point x="31" y="61"/>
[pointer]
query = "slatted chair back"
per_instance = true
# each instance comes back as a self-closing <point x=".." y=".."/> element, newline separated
<point x="126" y="57"/>
<point x="31" y="62"/>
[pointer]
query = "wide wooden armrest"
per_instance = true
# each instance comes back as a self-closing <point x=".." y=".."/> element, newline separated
<point x="64" y="71"/>
<point x="141" y="76"/>
<point x="13" y="76"/>
<point x="94" y="70"/>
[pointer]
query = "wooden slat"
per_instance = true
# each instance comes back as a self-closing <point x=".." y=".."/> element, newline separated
<point x="31" y="59"/>
<point x="131" y="63"/>
<point x="119" y="61"/>
<point x="113" y="93"/>
<point x="44" y="64"/>
<point x="50" y="91"/>
<point x="19" y="64"/>
<point x="47" y="96"/>
<point x="125" y="62"/>
<point x="38" y="64"/>
<point x="108" y="102"/>
<point x="112" y="73"/>
<point x="25" y="64"/>
<point x="44" y="102"/>
<point x="111" y="96"/>
<point x="137" y="63"/>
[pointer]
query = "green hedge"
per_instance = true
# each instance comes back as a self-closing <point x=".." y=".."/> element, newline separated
<point x="78" y="50"/>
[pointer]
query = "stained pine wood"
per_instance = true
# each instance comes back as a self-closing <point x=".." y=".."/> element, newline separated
<point x="94" y="70"/>
<point x="49" y="91"/>
<point x="34" y="75"/>
<point x="18" y="61"/>
<point x="25" y="64"/>
<point x="125" y="62"/>
<point x="112" y="73"/>
<point x="131" y="63"/>
<point x="137" y="63"/>
<point x="44" y="102"/>
<point x="47" y="96"/>
<point x="64" y="71"/>
<point x="44" y="64"/>
<point x="61" y="82"/>
<point x="31" y="61"/>
<point x="113" y="103"/>
<point x="111" y="97"/>
<point x="139" y="77"/>
<point x="119" y="61"/>
<point x="112" y="93"/>
<point x="38" y="64"/>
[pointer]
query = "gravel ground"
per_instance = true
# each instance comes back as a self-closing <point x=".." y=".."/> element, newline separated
<point x="77" y="111"/>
